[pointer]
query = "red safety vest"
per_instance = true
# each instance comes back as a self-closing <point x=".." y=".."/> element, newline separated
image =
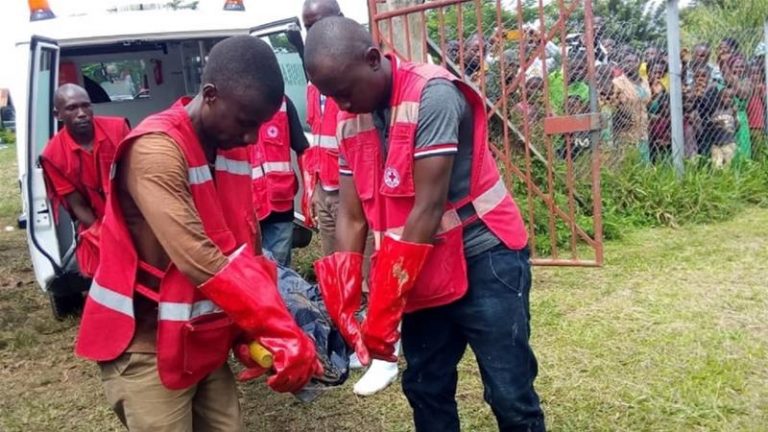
<point x="194" y="336"/>
<point x="386" y="186"/>
<point x="321" y="160"/>
<point x="64" y="156"/>
<point x="274" y="182"/>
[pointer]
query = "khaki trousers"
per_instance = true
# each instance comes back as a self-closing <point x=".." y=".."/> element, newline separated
<point x="326" y="208"/>
<point x="142" y="403"/>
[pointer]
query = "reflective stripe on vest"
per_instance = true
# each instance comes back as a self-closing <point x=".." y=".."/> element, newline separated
<point x="270" y="167"/>
<point x="325" y="142"/>
<point x="184" y="311"/>
<point x="449" y="221"/>
<point x="232" y="166"/>
<point x="199" y="175"/>
<point x="111" y="299"/>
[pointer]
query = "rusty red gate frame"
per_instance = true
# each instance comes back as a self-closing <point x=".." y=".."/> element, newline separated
<point x="411" y="41"/>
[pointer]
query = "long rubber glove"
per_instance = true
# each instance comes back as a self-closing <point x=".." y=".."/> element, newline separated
<point x="246" y="289"/>
<point x="398" y="264"/>
<point x="308" y="182"/>
<point x="340" y="277"/>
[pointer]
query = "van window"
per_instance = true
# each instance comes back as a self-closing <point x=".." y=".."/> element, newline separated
<point x="122" y="80"/>
<point x="194" y="54"/>
<point x="292" y="67"/>
<point x="43" y="82"/>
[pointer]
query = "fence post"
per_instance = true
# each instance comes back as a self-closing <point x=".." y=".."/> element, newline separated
<point x="675" y="85"/>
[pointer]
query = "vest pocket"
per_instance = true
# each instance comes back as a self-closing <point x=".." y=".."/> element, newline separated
<point x="281" y="186"/>
<point x="360" y="152"/>
<point x="207" y="340"/>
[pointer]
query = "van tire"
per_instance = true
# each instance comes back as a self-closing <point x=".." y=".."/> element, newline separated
<point x="66" y="305"/>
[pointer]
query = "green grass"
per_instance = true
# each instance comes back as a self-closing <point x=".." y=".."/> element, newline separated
<point x="10" y="203"/>
<point x="671" y="335"/>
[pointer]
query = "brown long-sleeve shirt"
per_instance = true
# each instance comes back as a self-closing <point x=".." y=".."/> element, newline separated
<point x="164" y="224"/>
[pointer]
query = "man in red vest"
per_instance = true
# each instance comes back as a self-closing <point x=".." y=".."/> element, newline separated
<point x="76" y="163"/>
<point x="274" y="182"/>
<point x="321" y="161"/>
<point x="321" y="185"/>
<point x="452" y="263"/>
<point x="181" y="277"/>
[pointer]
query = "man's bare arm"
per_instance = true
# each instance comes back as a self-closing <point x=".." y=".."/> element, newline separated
<point x="351" y="227"/>
<point x="432" y="177"/>
<point x="80" y="208"/>
<point x="154" y="173"/>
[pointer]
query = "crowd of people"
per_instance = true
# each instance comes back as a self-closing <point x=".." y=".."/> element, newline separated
<point x="724" y="90"/>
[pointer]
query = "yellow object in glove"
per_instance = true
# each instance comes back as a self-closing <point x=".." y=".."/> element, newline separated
<point x="260" y="355"/>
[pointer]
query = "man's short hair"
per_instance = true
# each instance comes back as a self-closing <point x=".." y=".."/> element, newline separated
<point x="244" y="65"/>
<point x="336" y="39"/>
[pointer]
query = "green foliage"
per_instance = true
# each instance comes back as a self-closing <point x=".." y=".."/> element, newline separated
<point x="711" y="21"/>
<point x="468" y="25"/>
<point x="633" y="22"/>
<point x="638" y="195"/>
<point x="7" y="136"/>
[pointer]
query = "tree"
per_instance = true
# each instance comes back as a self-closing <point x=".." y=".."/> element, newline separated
<point x="712" y="20"/>
<point x="399" y="32"/>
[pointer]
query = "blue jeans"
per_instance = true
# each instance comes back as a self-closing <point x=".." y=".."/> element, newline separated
<point x="277" y="238"/>
<point x="493" y="318"/>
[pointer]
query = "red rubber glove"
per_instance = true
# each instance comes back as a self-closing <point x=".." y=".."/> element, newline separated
<point x="243" y="355"/>
<point x="308" y="182"/>
<point x="340" y="277"/>
<point x="246" y="289"/>
<point x="87" y="252"/>
<point x="398" y="264"/>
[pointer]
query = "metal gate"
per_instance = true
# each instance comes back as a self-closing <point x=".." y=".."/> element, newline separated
<point x="535" y="63"/>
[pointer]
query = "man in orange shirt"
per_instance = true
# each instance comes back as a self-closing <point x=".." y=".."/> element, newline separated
<point x="76" y="164"/>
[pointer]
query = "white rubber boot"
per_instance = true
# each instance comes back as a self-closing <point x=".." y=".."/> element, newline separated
<point x="378" y="377"/>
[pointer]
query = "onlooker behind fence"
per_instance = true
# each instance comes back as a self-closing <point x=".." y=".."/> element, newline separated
<point x="705" y="98"/>
<point x="533" y="109"/>
<point x="700" y="57"/>
<point x="723" y="130"/>
<point x="756" y="110"/>
<point x="533" y="39"/>
<point x="502" y="73"/>
<point x="653" y="55"/>
<point x="574" y="80"/>
<point x="632" y="94"/>
<point x="659" y="126"/>
<point x="452" y="49"/>
<point x="727" y="48"/>
<point x="736" y="80"/>
<point x="474" y="66"/>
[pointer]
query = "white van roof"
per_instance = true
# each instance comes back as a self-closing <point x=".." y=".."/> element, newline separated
<point x="153" y="25"/>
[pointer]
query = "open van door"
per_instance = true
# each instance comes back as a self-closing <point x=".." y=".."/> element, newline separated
<point x="51" y="245"/>
<point x="287" y="42"/>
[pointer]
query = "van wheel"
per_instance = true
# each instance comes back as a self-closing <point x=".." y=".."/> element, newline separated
<point x="66" y="305"/>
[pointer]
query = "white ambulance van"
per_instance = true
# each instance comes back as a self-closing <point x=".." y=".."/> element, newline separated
<point x="132" y="64"/>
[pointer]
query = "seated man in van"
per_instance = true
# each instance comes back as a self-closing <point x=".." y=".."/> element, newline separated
<point x="76" y="164"/>
<point x="274" y="182"/>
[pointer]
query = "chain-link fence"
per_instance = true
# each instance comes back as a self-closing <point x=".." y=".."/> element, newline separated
<point x="574" y="91"/>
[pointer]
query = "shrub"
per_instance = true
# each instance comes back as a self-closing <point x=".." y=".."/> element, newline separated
<point x="638" y="195"/>
<point x="7" y="136"/>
